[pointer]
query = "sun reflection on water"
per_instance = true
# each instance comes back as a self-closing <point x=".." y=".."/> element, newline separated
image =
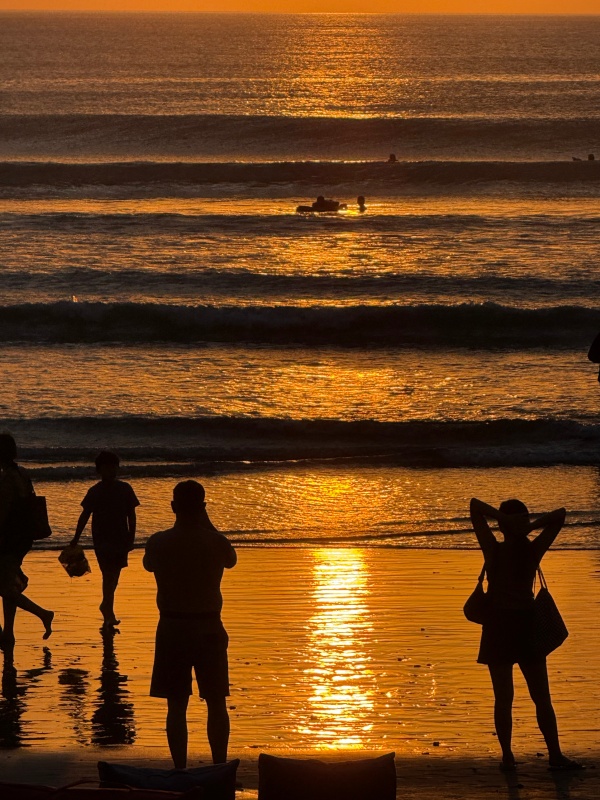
<point x="342" y="683"/>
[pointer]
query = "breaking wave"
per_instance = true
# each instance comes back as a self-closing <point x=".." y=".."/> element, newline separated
<point x="371" y="177"/>
<point x="175" y="446"/>
<point x="474" y="325"/>
<point x="220" y="137"/>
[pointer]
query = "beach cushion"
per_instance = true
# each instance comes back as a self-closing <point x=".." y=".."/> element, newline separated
<point x="27" y="791"/>
<point x="310" y="779"/>
<point x="217" y="781"/>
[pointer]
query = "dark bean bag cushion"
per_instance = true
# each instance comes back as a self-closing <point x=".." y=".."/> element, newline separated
<point x="216" y="781"/>
<point x="30" y="791"/>
<point x="25" y="791"/>
<point x="309" y="779"/>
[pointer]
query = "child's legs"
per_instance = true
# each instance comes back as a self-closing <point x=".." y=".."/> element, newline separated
<point x="110" y="580"/>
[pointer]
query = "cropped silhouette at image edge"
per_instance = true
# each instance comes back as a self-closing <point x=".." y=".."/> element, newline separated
<point x="594" y="353"/>
<point x="16" y="540"/>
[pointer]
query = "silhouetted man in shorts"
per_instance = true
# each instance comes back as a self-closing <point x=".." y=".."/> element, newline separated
<point x="188" y="562"/>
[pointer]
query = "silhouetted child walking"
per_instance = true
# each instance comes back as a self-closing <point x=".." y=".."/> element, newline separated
<point x="111" y="503"/>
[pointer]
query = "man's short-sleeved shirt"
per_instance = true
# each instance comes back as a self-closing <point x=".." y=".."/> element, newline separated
<point x="188" y="566"/>
<point x="110" y="503"/>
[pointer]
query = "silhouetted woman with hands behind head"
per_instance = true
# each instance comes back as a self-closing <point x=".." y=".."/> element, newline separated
<point x="507" y="633"/>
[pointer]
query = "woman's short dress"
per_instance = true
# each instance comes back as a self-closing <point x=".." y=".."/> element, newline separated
<point x="507" y="634"/>
<point x="507" y="637"/>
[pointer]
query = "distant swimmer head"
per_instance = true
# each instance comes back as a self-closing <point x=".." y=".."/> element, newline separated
<point x="515" y="521"/>
<point x="392" y="159"/>
<point x="188" y="499"/>
<point x="320" y="199"/>
<point x="361" y="202"/>
<point x="591" y="157"/>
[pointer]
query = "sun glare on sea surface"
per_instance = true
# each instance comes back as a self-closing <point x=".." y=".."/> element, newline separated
<point x="342" y="683"/>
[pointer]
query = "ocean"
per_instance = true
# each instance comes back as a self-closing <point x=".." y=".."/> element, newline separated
<point x="334" y="379"/>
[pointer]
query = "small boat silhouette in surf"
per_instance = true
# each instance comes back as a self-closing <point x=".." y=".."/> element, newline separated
<point x="322" y="206"/>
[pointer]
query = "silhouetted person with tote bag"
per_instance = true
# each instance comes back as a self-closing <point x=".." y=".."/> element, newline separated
<point x="507" y="636"/>
<point x="15" y="542"/>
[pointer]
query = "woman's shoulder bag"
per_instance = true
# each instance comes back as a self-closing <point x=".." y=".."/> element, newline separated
<point x="477" y="606"/>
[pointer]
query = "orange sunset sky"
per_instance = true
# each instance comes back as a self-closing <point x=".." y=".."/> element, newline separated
<point x="298" y="6"/>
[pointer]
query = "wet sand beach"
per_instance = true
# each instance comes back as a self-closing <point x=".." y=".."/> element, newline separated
<point x="334" y="653"/>
<point x="342" y="384"/>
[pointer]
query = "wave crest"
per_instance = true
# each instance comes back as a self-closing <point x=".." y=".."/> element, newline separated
<point x="173" y="446"/>
<point x="372" y="177"/>
<point x="473" y="325"/>
<point x="260" y="137"/>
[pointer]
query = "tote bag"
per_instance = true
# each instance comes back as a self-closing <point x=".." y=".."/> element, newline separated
<point x="549" y="630"/>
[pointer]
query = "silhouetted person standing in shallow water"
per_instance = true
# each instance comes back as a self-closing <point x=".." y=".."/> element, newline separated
<point x="188" y="562"/>
<point x="507" y="635"/>
<point x="111" y="503"/>
<point x="15" y="542"/>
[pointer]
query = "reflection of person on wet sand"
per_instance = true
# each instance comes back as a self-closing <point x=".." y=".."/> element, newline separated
<point x="508" y="632"/>
<point x="15" y="542"/>
<point x="12" y="704"/>
<point x="74" y="681"/>
<point x="188" y="562"/>
<point x="113" y="719"/>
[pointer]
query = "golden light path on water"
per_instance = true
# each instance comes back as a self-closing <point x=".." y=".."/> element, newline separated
<point x="341" y="699"/>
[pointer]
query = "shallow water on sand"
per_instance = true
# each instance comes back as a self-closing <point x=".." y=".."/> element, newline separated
<point x="330" y="649"/>
<point x="346" y="504"/>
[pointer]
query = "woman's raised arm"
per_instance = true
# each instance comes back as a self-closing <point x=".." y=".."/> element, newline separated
<point x="479" y="511"/>
<point x="551" y="525"/>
